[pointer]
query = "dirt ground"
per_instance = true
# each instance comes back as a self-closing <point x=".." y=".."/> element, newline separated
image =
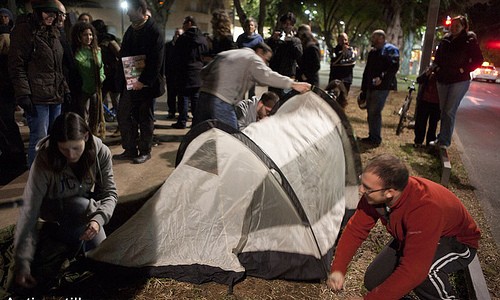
<point x="422" y="162"/>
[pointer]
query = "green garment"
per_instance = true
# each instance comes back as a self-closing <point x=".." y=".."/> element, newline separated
<point x="85" y="64"/>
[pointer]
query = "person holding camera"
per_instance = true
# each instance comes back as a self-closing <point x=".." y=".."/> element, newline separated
<point x="343" y="61"/>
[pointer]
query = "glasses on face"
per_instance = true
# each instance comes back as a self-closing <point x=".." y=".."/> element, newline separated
<point x="367" y="190"/>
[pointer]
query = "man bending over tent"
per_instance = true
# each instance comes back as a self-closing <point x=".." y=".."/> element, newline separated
<point x="254" y="109"/>
<point x="230" y="75"/>
<point x="433" y="232"/>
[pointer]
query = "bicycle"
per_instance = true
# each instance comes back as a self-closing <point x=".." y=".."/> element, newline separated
<point x="404" y="117"/>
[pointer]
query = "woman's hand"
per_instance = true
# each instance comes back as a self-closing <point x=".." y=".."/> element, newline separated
<point x="92" y="230"/>
<point x="26" y="280"/>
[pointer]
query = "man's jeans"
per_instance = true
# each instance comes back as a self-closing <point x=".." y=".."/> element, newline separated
<point x="450" y="96"/>
<point x="187" y="95"/>
<point x="211" y="107"/>
<point x="375" y="100"/>
<point x="39" y="124"/>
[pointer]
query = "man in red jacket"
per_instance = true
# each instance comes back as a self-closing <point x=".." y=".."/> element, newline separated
<point x="433" y="233"/>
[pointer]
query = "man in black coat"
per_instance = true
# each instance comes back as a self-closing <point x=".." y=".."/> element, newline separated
<point x="144" y="44"/>
<point x="170" y="74"/>
<point x="189" y="51"/>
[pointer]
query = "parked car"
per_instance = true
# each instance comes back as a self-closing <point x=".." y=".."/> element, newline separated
<point x="486" y="72"/>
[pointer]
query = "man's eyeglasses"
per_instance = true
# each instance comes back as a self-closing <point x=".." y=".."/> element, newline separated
<point x="367" y="190"/>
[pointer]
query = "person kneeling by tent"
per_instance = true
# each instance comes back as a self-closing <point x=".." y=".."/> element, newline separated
<point x="71" y="189"/>
<point x="433" y="234"/>
<point x="253" y="110"/>
<point x="230" y="75"/>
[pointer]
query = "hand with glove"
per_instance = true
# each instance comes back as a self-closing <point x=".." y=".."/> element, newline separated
<point x="25" y="103"/>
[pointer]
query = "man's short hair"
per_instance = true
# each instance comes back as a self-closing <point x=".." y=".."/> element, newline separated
<point x="288" y="16"/>
<point x="135" y="4"/>
<point x="190" y="19"/>
<point x="390" y="170"/>
<point x="269" y="99"/>
<point x="263" y="46"/>
<point x="379" y="32"/>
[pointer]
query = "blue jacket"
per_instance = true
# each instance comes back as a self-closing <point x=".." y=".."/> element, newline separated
<point x="383" y="63"/>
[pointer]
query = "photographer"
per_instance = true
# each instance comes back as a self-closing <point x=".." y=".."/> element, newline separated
<point x="342" y="62"/>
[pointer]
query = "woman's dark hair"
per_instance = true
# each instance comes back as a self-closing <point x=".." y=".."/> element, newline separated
<point x="463" y="21"/>
<point x="100" y="26"/>
<point x="71" y="127"/>
<point x="76" y="36"/>
<point x="390" y="170"/>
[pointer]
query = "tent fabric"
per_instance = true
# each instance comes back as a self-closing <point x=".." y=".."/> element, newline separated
<point x="267" y="201"/>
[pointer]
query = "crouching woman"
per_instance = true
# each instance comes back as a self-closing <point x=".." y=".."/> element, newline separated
<point x="69" y="196"/>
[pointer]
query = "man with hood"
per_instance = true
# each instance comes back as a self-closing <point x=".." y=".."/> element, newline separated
<point x="189" y="51"/>
<point x="136" y="106"/>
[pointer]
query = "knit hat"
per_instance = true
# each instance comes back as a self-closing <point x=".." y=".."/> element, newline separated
<point x="45" y="5"/>
<point x="7" y="12"/>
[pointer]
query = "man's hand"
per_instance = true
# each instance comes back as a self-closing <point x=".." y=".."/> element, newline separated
<point x="335" y="281"/>
<point x="301" y="87"/>
<point x="137" y="86"/>
<point x="25" y="103"/>
<point x="376" y="81"/>
<point x="26" y="280"/>
<point x="91" y="231"/>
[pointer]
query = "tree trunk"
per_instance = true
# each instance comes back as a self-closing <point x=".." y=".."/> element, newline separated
<point x="241" y="13"/>
<point x="394" y="33"/>
<point x="262" y="16"/>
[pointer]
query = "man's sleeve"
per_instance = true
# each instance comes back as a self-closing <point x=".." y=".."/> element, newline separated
<point x="356" y="231"/>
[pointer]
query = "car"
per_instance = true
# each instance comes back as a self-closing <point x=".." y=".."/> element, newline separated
<point x="486" y="72"/>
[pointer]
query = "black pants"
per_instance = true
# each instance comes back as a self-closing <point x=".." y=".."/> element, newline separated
<point x="173" y="97"/>
<point x="136" y="112"/>
<point x="451" y="256"/>
<point x="426" y="112"/>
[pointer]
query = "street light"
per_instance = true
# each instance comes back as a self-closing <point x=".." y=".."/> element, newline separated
<point x="342" y="26"/>
<point x="124" y="6"/>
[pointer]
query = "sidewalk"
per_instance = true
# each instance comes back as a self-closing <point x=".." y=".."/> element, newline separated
<point x="133" y="182"/>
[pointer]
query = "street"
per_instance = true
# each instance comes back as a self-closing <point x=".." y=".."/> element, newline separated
<point x="476" y="131"/>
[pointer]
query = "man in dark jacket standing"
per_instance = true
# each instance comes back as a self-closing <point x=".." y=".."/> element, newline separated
<point x="35" y="68"/>
<point x="143" y="43"/>
<point x="189" y="50"/>
<point x="379" y="78"/>
<point x="170" y="74"/>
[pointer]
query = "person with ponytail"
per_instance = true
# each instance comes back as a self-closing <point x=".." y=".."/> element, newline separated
<point x="70" y="194"/>
<point x="91" y="69"/>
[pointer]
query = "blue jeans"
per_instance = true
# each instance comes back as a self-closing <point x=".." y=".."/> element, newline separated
<point x="211" y="107"/>
<point x="187" y="94"/>
<point x="39" y="124"/>
<point x="375" y="100"/>
<point x="450" y="96"/>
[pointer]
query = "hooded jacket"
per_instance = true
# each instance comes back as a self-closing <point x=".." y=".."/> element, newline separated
<point x="35" y="62"/>
<point x="189" y="50"/>
<point x="45" y="190"/>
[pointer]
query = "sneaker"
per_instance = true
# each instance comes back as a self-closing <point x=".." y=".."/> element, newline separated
<point x="179" y="126"/>
<point x="436" y="143"/>
<point x="142" y="158"/>
<point x="126" y="155"/>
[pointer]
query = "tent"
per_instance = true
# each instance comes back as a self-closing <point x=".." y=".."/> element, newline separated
<point x="266" y="202"/>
